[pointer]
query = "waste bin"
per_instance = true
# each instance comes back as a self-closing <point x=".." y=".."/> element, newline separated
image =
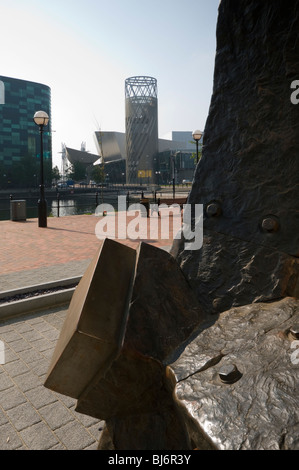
<point x="17" y="210"/>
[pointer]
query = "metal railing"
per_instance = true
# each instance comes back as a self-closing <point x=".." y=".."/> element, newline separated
<point x="60" y="203"/>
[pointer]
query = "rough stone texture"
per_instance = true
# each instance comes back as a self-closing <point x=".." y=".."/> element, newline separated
<point x="250" y="161"/>
<point x="259" y="411"/>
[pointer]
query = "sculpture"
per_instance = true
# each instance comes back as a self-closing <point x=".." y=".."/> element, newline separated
<point x="202" y="350"/>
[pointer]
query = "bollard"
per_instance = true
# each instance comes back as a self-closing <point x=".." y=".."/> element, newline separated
<point x="58" y="205"/>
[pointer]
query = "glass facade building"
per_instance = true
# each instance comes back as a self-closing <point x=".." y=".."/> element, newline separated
<point x="19" y="135"/>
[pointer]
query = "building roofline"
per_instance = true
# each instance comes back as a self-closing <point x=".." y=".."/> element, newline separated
<point x="3" y="77"/>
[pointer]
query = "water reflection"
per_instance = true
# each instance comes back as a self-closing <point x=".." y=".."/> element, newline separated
<point x="71" y="207"/>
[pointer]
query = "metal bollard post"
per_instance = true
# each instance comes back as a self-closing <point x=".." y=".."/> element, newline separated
<point x="128" y="199"/>
<point x="58" y="205"/>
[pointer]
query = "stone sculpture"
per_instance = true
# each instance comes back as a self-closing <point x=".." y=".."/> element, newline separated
<point x="199" y="349"/>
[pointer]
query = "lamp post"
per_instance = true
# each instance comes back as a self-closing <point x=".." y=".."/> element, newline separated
<point x="173" y="175"/>
<point x="41" y="119"/>
<point x="197" y="135"/>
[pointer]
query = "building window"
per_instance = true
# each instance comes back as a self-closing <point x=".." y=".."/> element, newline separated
<point x="2" y="93"/>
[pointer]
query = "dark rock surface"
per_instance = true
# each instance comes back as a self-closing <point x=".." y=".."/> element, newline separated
<point x="250" y="163"/>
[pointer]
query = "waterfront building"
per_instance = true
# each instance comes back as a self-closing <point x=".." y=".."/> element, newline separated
<point x="175" y="158"/>
<point x="19" y="135"/>
<point x="139" y="156"/>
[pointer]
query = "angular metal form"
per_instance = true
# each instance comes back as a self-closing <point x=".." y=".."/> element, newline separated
<point x="126" y="319"/>
<point x="93" y="330"/>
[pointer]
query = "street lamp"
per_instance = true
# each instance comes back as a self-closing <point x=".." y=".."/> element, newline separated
<point x="197" y="135"/>
<point x="158" y="173"/>
<point x="41" y="119"/>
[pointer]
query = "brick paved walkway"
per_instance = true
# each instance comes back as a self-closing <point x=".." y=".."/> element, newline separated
<point x="31" y="255"/>
<point x="31" y="416"/>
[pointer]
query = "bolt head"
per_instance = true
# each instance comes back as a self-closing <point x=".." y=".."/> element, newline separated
<point x="294" y="330"/>
<point x="213" y="209"/>
<point x="270" y="225"/>
<point x="229" y="374"/>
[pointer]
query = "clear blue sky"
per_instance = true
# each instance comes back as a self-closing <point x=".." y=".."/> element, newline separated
<point x="85" y="49"/>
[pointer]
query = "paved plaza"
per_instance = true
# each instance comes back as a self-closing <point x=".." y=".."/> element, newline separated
<point x="31" y="416"/>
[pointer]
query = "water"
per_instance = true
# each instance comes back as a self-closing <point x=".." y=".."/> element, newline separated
<point x="71" y="206"/>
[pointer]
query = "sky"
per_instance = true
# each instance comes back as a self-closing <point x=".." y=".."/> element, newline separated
<point x="84" y="50"/>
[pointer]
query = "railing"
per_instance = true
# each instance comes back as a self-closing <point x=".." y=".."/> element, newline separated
<point x="60" y="203"/>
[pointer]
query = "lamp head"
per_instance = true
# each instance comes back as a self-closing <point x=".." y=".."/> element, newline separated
<point x="197" y="135"/>
<point x="41" y="118"/>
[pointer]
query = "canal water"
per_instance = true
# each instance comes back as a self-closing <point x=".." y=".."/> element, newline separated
<point x="86" y="204"/>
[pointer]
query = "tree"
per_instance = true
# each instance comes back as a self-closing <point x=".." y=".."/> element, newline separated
<point x="78" y="171"/>
<point x="55" y="174"/>
<point x="194" y="154"/>
<point x="98" y="174"/>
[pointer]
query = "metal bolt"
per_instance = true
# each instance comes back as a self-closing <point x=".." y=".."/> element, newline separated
<point x="229" y="374"/>
<point x="270" y="224"/>
<point x="294" y="330"/>
<point x="213" y="209"/>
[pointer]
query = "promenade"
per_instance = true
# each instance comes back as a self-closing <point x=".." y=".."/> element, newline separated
<point x="31" y="416"/>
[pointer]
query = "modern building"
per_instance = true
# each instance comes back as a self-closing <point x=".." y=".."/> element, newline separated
<point x="19" y="135"/>
<point x="139" y="156"/>
<point x="175" y="157"/>
<point x="141" y="128"/>
<point x="85" y="159"/>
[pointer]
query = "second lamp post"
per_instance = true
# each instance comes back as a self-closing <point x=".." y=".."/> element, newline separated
<point x="197" y="135"/>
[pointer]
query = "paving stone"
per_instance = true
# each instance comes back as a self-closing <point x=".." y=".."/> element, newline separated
<point x="42" y="344"/>
<point x="49" y="352"/>
<point x="74" y="436"/>
<point x="22" y="327"/>
<point x="87" y="421"/>
<point x="42" y="326"/>
<point x="51" y="334"/>
<point x="16" y="368"/>
<point x="56" y="415"/>
<point x="5" y="382"/>
<point x="3" y="418"/>
<point x="11" y="398"/>
<point x="32" y="335"/>
<point x="40" y="397"/>
<point x="32" y="356"/>
<point x="23" y="416"/>
<point x="10" y="355"/>
<point x="9" y="439"/>
<point x="27" y="381"/>
<point x="96" y="430"/>
<point x="6" y="327"/>
<point x="10" y="336"/>
<point x="20" y="345"/>
<point x="39" y="437"/>
<point x="58" y="447"/>
<point x="40" y="366"/>
<point x="68" y="401"/>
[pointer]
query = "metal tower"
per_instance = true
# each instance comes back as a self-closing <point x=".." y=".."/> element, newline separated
<point x="141" y="129"/>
